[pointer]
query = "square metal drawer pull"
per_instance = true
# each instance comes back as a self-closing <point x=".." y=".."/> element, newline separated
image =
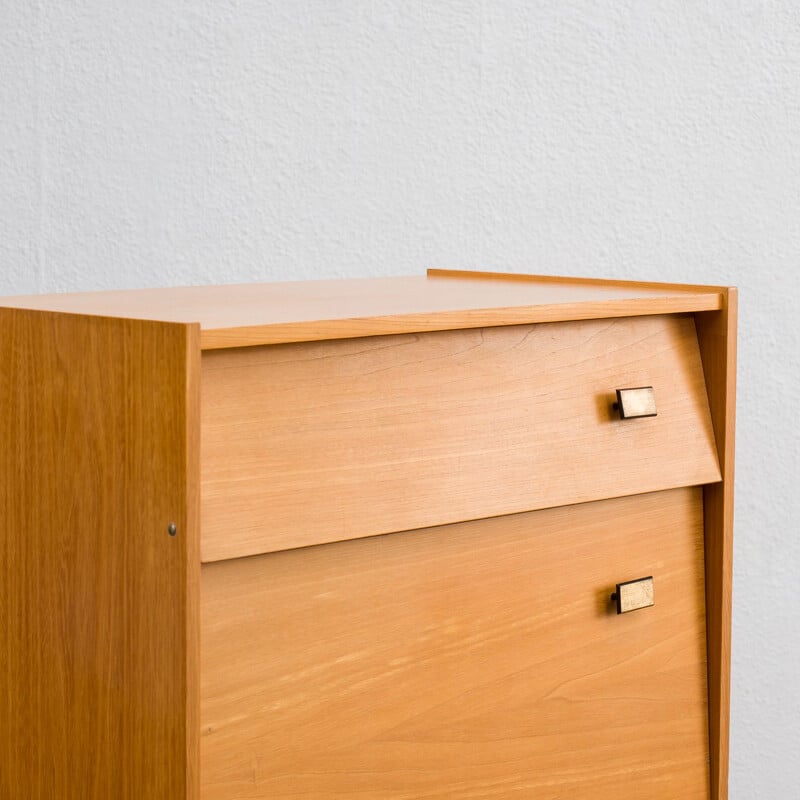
<point x="638" y="402"/>
<point x="633" y="595"/>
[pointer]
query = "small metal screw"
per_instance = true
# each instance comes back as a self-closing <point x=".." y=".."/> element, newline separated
<point x="172" y="529"/>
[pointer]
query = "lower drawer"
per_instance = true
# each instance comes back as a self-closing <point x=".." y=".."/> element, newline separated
<point x="476" y="660"/>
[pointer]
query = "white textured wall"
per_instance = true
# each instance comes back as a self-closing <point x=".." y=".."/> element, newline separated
<point x="212" y="141"/>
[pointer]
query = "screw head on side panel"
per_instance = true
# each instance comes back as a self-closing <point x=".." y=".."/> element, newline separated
<point x="172" y="529"/>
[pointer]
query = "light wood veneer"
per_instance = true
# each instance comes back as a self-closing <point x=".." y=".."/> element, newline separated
<point x="300" y="311"/>
<point x="480" y="660"/>
<point x="153" y="439"/>
<point x="317" y="442"/>
<point x="98" y="605"/>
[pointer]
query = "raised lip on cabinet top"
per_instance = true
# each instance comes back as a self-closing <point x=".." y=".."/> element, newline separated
<point x="243" y="315"/>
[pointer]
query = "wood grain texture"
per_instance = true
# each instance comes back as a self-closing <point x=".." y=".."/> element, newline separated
<point x="717" y="338"/>
<point x="98" y="628"/>
<point x="191" y="544"/>
<point x="481" y="660"/>
<point x="612" y="284"/>
<point x="309" y="443"/>
<point x="294" y="311"/>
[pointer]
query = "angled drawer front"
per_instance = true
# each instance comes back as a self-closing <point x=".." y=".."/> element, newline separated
<point x="317" y="442"/>
<point x="477" y="660"/>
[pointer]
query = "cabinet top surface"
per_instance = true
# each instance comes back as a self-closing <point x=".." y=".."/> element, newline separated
<point x="272" y="313"/>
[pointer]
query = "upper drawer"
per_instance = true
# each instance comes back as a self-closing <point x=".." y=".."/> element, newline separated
<point x="317" y="442"/>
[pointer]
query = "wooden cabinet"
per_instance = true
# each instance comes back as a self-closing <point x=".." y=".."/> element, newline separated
<point x="359" y="538"/>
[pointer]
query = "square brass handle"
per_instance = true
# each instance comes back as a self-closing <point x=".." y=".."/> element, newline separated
<point x="633" y="595"/>
<point x="634" y="403"/>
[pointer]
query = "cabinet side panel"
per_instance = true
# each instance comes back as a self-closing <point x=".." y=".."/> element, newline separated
<point x="716" y="333"/>
<point x="95" y="619"/>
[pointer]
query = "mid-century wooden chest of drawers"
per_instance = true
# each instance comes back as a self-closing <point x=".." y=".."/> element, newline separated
<point x="358" y="540"/>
